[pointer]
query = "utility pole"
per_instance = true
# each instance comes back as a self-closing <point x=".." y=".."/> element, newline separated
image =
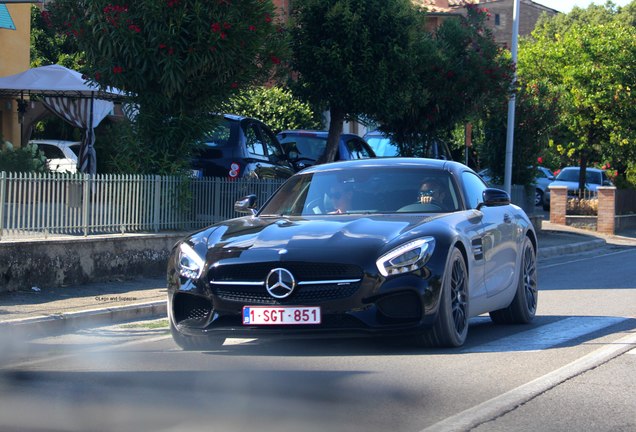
<point x="511" y="103"/>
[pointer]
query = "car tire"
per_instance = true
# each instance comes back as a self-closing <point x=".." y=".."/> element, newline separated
<point x="546" y="207"/>
<point x="523" y="307"/>
<point x="451" y="328"/>
<point x="195" y="343"/>
<point x="538" y="197"/>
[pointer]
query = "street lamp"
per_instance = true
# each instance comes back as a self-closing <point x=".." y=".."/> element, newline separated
<point x="511" y="102"/>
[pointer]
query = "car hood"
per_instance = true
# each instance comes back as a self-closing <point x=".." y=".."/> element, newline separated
<point x="339" y="238"/>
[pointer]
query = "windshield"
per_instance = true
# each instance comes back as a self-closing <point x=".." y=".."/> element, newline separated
<point x="365" y="190"/>
<point x="308" y="147"/>
<point x="219" y="136"/>
<point x="572" y="175"/>
<point x="382" y="146"/>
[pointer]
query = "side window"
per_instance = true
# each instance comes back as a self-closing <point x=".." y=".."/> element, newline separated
<point x="474" y="188"/>
<point x="252" y="141"/>
<point x="357" y="150"/>
<point x="51" y="152"/>
<point x="274" y="150"/>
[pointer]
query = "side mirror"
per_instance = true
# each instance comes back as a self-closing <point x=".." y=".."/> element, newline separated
<point x="247" y="204"/>
<point x="494" y="197"/>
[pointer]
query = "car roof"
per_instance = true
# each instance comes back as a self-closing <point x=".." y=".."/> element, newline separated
<point x="376" y="132"/>
<point x="388" y="163"/>
<point x="236" y="117"/>
<point x="59" y="143"/>
<point x="578" y="168"/>
<point x="314" y="133"/>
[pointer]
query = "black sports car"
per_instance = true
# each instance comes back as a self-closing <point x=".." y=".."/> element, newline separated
<point x="383" y="247"/>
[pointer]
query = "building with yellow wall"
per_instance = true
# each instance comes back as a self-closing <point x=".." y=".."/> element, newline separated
<point x="14" y="58"/>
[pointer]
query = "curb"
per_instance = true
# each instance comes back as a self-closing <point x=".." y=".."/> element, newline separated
<point x="49" y="325"/>
<point x="571" y="248"/>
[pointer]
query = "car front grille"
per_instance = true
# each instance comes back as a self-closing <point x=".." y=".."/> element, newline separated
<point x="316" y="282"/>
<point x="303" y="272"/>
<point x="306" y="294"/>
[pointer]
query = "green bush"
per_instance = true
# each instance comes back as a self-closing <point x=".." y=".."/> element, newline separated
<point x="628" y="180"/>
<point x="24" y="159"/>
<point x="275" y="106"/>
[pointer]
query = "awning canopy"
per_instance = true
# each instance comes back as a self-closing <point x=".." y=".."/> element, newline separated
<point x="69" y="95"/>
<point x="54" y="80"/>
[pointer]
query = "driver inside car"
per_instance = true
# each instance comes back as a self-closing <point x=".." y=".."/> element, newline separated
<point x="341" y="195"/>
<point x="432" y="192"/>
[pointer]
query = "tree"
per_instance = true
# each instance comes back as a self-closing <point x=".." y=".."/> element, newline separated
<point x="351" y="56"/>
<point x="534" y="120"/>
<point x="455" y="72"/>
<point x="276" y="106"/>
<point x="587" y="64"/>
<point x="177" y="59"/>
<point x="49" y="47"/>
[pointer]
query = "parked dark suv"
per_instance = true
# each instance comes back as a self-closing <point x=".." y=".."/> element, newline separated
<point x="384" y="147"/>
<point x="241" y="147"/>
<point x="305" y="147"/>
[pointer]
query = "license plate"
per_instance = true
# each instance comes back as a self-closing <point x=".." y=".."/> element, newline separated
<point x="282" y="315"/>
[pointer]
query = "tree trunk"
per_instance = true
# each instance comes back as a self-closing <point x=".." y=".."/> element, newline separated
<point x="582" y="170"/>
<point x="583" y="164"/>
<point x="335" y="130"/>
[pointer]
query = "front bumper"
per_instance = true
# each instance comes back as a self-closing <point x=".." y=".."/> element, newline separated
<point x="374" y="306"/>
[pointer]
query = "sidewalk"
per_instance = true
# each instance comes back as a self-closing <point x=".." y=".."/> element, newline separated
<point x="38" y="310"/>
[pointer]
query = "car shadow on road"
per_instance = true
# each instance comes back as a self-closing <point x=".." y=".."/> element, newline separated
<point x="546" y="332"/>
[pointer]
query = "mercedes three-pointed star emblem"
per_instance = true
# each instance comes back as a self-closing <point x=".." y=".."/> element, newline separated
<point x="280" y="283"/>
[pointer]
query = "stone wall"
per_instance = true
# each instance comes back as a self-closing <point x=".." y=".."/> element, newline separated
<point x="74" y="261"/>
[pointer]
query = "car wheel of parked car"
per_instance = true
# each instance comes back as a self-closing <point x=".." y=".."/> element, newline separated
<point x="451" y="327"/>
<point x="523" y="307"/>
<point x="195" y="343"/>
<point x="538" y="197"/>
<point x="546" y="207"/>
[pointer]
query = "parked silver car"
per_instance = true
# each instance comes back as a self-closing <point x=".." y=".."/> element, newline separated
<point x="541" y="181"/>
<point x="569" y="177"/>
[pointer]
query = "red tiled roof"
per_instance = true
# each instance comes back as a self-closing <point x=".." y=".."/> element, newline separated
<point x="437" y="6"/>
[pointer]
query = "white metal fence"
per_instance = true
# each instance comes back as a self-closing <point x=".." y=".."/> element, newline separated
<point x="40" y="205"/>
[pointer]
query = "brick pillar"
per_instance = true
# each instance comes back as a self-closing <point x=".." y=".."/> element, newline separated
<point x="606" y="220"/>
<point x="558" y="204"/>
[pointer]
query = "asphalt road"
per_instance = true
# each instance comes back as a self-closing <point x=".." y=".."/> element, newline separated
<point x="570" y="370"/>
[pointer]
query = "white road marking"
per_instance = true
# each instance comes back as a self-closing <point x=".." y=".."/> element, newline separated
<point x="584" y="259"/>
<point x="506" y="402"/>
<point x="547" y="336"/>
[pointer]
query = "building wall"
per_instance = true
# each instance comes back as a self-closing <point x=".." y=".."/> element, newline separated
<point x="14" y="58"/>
<point x="529" y="13"/>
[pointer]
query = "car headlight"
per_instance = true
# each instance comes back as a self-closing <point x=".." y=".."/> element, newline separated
<point x="406" y="258"/>
<point x="190" y="263"/>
